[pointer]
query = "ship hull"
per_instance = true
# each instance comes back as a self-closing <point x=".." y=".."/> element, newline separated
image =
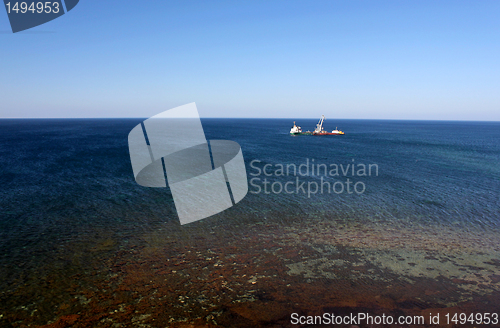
<point x="327" y="134"/>
<point x="301" y="133"/>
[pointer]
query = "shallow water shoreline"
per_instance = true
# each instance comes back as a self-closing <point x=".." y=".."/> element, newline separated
<point x="258" y="273"/>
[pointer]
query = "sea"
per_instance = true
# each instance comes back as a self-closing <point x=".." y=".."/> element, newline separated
<point x="395" y="218"/>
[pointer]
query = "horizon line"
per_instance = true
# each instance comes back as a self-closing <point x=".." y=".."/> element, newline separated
<point x="261" y="118"/>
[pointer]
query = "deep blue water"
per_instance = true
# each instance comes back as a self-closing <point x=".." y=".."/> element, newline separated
<point x="63" y="180"/>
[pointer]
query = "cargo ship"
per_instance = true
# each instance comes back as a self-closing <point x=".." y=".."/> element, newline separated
<point x="295" y="129"/>
<point x="320" y="131"/>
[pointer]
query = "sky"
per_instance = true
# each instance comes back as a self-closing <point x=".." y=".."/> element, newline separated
<point x="425" y="60"/>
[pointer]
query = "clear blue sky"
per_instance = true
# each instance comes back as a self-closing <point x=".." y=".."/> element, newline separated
<point x="295" y="59"/>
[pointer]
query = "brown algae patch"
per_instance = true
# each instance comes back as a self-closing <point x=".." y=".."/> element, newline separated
<point x="256" y="274"/>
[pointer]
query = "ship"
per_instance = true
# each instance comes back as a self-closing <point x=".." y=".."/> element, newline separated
<point x="320" y="131"/>
<point x="295" y="129"/>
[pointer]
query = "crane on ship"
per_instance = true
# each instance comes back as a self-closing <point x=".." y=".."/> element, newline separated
<point x="319" y="126"/>
<point x="321" y="132"/>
